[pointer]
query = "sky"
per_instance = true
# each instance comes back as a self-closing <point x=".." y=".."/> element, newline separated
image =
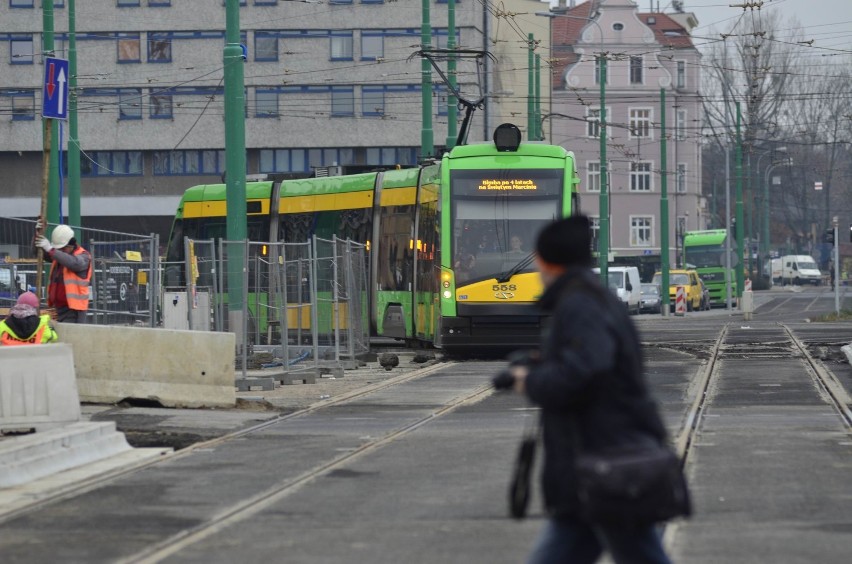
<point x="827" y="22"/>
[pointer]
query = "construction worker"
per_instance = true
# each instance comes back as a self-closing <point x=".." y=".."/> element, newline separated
<point x="25" y="326"/>
<point x="70" y="274"/>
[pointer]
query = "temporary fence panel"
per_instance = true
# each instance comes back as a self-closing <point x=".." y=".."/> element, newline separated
<point x="125" y="277"/>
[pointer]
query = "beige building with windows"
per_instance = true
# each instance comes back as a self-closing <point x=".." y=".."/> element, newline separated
<point x="645" y="52"/>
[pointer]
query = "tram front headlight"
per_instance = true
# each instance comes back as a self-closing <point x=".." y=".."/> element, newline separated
<point x="446" y="284"/>
<point x="447" y="294"/>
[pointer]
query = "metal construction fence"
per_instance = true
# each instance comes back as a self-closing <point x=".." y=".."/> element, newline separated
<point x="125" y="276"/>
<point x="306" y="303"/>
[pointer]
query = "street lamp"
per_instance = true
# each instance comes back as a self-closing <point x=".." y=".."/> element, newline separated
<point x="764" y="235"/>
<point x="765" y="238"/>
<point x="603" y="205"/>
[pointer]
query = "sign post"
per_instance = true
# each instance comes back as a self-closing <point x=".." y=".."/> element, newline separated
<point x="54" y="106"/>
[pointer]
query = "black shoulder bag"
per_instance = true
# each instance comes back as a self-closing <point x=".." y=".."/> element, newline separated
<point x="631" y="485"/>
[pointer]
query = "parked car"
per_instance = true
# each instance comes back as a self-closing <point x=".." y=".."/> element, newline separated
<point x="651" y="302"/>
<point x="689" y="280"/>
<point x="624" y="282"/>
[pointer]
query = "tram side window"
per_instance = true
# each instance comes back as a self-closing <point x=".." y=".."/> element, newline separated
<point x="395" y="247"/>
<point x="427" y="235"/>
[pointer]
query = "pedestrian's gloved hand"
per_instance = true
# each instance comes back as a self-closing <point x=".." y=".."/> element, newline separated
<point x="523" y="358"/>
<point x="42" y="242"/>
<point x="503" y="381"/>
<point x="39" y="224"/>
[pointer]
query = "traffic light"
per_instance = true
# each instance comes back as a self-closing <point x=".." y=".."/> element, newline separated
<point x="828" y="236"/>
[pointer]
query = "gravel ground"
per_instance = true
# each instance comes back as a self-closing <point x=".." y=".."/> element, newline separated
<point x="291" y="397"/>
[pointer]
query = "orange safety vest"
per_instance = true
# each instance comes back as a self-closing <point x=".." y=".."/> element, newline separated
<point x="43" y="334"/>
<point x="76" y="287"/>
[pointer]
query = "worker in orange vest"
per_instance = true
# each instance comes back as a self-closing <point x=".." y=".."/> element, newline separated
<point x="25" y="326"/>
<point x="70" y="274"/>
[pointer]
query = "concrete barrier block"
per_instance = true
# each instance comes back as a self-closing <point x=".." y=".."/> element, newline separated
<point x="176" y="368"/>
<point x="847" y="350"/>
<point x="38" y="388"/>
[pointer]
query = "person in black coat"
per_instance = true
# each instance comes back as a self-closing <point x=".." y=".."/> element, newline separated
<point x="588" y="380"/>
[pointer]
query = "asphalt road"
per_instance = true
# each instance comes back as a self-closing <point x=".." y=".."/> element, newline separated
<point x="417" y="471"/>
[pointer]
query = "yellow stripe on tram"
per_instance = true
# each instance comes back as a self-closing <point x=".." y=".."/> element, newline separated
<point x="218" y="208"/>
<point x="325" y="202"/>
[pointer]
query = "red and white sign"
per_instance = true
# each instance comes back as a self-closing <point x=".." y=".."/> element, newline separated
<point x="747" y="285"/>
<point x="680" y="301"/>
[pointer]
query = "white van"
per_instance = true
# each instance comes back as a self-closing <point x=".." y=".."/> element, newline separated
<point x="800" y="269"/>
<point x="624" y="281"/>
<point x="773" y="270"/>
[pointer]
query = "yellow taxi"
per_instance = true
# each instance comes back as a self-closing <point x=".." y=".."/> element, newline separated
<point x="691" y="286"/>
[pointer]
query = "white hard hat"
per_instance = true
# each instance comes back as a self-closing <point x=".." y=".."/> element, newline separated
<point x="61" y="236"/>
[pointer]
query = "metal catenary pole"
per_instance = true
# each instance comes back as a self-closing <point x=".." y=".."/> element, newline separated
<point x="664" y="209"/>
<point x="235" y="158"/>
<point x="73" y="140"/>
<point x="530" y="88"/>
<point x="452" y="108"/>
<point x="427" y="140"/>
<point x="51" y="148"/>
<point x="604" y="197"/>
<point x="739" y="178"/>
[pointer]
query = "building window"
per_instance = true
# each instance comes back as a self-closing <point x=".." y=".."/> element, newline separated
<point x="283" y="160"/>
<point x="593" y="176"/>
<point x="265" y="47"/>
<point x="128" y="48"/>
<point x="641" y="231"/>
<point x="681" y="178"/>
<point x="372" y="101"/>
<point x="341" y="47"/>
<point x="23" y="106"/>
<point x="680" y="125"/>
<point x="636" y="74"/>
<point x="681" y="74"/>
<point x="265" y="2"/>
<point x="593" y="121"/>
<point x="595" y="227"/>
<point x="339" y="1"/>
<point x="21" y="50"/>
<point x="640" y="123"/>
<point x="598" y="72"/>
<point x="159" y="3"/>
<point x="130" y="103"/>
<point x="266" y="103"/>
<point x="372" y="47"/>
<point x="127" y="3"/>
<point x="640" y="176"/>
<point x="191" y="162"/>
<point x="159" y="48"/>
<point x="111" y="163"/>
<point x="161" y="106"/>
<point x="342" y="101"/>
<point x="20" y="3"/>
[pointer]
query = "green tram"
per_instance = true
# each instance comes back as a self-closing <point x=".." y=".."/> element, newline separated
<point x="705" y="250"/>
<point x="450" y="242"/>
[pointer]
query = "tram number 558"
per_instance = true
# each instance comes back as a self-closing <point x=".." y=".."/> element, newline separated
<point x="504" y="287"/>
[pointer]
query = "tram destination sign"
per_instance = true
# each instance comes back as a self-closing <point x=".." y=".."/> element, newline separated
<point x="507" y="182"/>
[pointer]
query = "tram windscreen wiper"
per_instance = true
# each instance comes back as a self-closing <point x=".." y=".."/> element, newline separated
<point x="524" y="262"/>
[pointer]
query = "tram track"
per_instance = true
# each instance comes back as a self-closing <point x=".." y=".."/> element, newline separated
<point x="833" y="391"/>
<point x="90" y="483"/>
<point x="258" y="502"/>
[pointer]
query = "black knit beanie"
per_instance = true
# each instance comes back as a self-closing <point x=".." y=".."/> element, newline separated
<point x="566" y="242"/>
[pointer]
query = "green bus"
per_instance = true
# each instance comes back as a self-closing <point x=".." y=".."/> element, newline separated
<point x="450" y="241"/>
<point x="705" y="251"/>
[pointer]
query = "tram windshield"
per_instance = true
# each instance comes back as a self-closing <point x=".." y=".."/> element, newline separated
<point x="497" y="215"/>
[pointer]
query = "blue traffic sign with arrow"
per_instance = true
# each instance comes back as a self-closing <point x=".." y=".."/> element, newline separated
<point x="55" y="92"/>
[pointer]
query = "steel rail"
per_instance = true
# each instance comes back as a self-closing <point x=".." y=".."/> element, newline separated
<point x="826" y="381"/>
<point x="79" y="487"/>
<point x="258" y="502"/>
